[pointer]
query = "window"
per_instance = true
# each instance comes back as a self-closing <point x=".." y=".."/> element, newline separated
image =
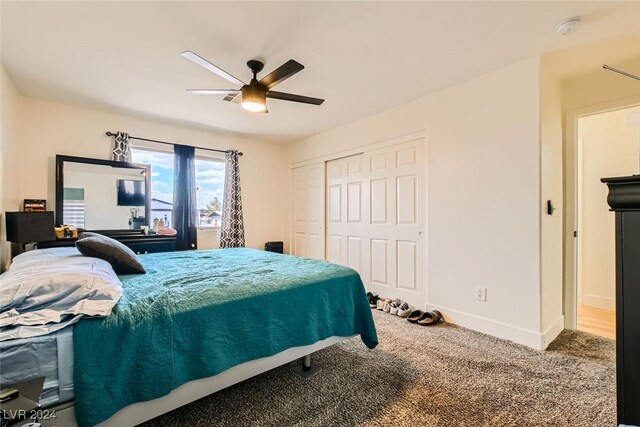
<point x="161" y="181"/>
<point x="209" y="190"/>
<point x="73" y="206"/>
<point x="209" y="185"/>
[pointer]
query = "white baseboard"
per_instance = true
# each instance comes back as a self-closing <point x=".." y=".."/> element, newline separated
<point x="530" y="338"/>
<point x="552" y="332"/>
<point x="597" y="301"/>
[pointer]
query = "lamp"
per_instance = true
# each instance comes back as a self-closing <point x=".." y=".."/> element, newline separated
<point x="254" y="99"/>
<point x="29" y="227"/>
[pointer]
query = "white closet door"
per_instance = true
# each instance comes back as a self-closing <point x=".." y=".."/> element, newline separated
<point x="376" y="218"/>
<point x="346" y="216"/>
<point x="308" y="211"/>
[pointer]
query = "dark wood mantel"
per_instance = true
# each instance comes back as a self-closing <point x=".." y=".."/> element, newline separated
<point x="624" y="200"/>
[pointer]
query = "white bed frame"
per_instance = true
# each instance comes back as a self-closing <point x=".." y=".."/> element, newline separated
<point x="143" y="411"/>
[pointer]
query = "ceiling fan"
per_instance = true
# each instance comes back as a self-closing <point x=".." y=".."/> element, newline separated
<point x="252" y="96"/>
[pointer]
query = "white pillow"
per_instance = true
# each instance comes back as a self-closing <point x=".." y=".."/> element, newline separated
<point x="43" y="255"/>
<point x="42" y="293"/>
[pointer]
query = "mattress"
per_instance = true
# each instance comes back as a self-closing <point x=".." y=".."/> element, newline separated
<point x="49" y="355"/>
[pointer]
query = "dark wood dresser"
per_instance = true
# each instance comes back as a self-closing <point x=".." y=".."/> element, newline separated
<point x="134" y="239"/>
<point x="624" y="199"/>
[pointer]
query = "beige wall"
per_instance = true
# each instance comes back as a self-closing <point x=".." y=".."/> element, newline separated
<point x="608" y="147"/>
<point x="551" y="188"/>
<point x="54" y="128"/>
<point x="9" y="157"/>
<point x="483" y="195"/>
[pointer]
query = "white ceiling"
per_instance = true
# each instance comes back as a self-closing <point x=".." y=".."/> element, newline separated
<point x="362" y="57"/>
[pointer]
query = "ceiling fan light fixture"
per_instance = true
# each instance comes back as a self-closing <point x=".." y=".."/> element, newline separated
<point x="254" y="99"/>
<point x="254" y="107"/>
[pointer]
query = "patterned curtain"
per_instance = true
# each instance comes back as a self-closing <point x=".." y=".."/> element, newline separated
<point x="121" y="148"/>
<point x="232" y="228"/>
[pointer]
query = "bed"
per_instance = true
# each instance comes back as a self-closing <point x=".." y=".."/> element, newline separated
<point x="199" y="321"/>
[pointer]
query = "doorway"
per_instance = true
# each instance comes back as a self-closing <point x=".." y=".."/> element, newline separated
<point x="606" y="146"/>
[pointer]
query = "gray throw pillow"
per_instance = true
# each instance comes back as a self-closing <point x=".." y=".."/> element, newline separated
<point x="121" y="258"/>
<point x="86" y="234"/>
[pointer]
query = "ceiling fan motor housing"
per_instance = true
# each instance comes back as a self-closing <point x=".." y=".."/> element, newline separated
<point x="257" y="91"/>
<point x="255" y="66"/>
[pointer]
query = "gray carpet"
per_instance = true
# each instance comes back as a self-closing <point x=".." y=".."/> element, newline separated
<point x="426" y="376"/>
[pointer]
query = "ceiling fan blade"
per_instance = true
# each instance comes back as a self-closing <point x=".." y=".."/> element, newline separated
<point x="214" y="91"/>
<point x="281" y="73"/>
<point x="295" y="98"/>
<point x="209" y="66"/>
<point x="236" y="98"/>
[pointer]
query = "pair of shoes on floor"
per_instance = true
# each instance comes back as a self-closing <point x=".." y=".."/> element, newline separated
<point x="404" y="310"/>
<point x="394" y="306"/>
<point x="397" y="307"/>
<point x="383" y="304"/>
<point x="373" y="299"/>
<point x="391" y="306"/>
<point x="425" y="318"/>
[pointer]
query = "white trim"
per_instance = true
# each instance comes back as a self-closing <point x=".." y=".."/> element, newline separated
<point x="517" y="334"/>
<point x="151" y="146"/>
<point x="597" y="301"/>
<point x="209" y="156"/>
<point x="552" y="332"/>
<point x="143" y="411"/>
<point x="209" y="228"/>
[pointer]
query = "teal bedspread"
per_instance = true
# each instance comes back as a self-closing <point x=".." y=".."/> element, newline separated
<point x="197" y="313"/>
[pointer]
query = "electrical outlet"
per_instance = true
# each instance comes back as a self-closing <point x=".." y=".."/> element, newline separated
<point x="481" y="294"/>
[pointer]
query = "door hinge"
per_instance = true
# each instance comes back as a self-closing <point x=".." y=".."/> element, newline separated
<point x="575" y="233"/>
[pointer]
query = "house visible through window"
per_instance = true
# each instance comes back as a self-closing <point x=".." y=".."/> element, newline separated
<point x="209" y="185"/>
<point x="161" y="181"/>
<point x="209" y="190"/>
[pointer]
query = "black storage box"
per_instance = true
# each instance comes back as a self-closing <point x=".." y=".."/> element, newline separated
<point x="274" y="247"/>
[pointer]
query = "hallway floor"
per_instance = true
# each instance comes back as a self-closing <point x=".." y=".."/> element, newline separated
<point x="597" y="321"/>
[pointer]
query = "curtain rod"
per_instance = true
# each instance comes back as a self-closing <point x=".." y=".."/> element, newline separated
<point x="109" y="133"/>
<point x="624" y="73"/>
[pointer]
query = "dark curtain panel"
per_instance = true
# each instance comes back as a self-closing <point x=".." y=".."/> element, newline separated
<point x="232" y="228"/>
<point x="185" y="217"/>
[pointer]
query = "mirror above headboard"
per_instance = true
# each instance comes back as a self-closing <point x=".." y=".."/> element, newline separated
<point x="96" y="194"/>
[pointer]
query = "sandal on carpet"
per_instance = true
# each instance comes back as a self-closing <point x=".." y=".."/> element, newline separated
<point x="430" y="318"/>
<point x="415" y="315"/>
<point x="404" y="310"/>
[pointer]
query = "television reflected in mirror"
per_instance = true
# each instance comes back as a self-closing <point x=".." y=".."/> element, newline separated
<point x="131" y="192"/>
<point x="95" y="194"/>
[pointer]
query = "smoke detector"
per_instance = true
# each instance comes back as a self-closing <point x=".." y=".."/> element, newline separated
<point x="568" y="26"/>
